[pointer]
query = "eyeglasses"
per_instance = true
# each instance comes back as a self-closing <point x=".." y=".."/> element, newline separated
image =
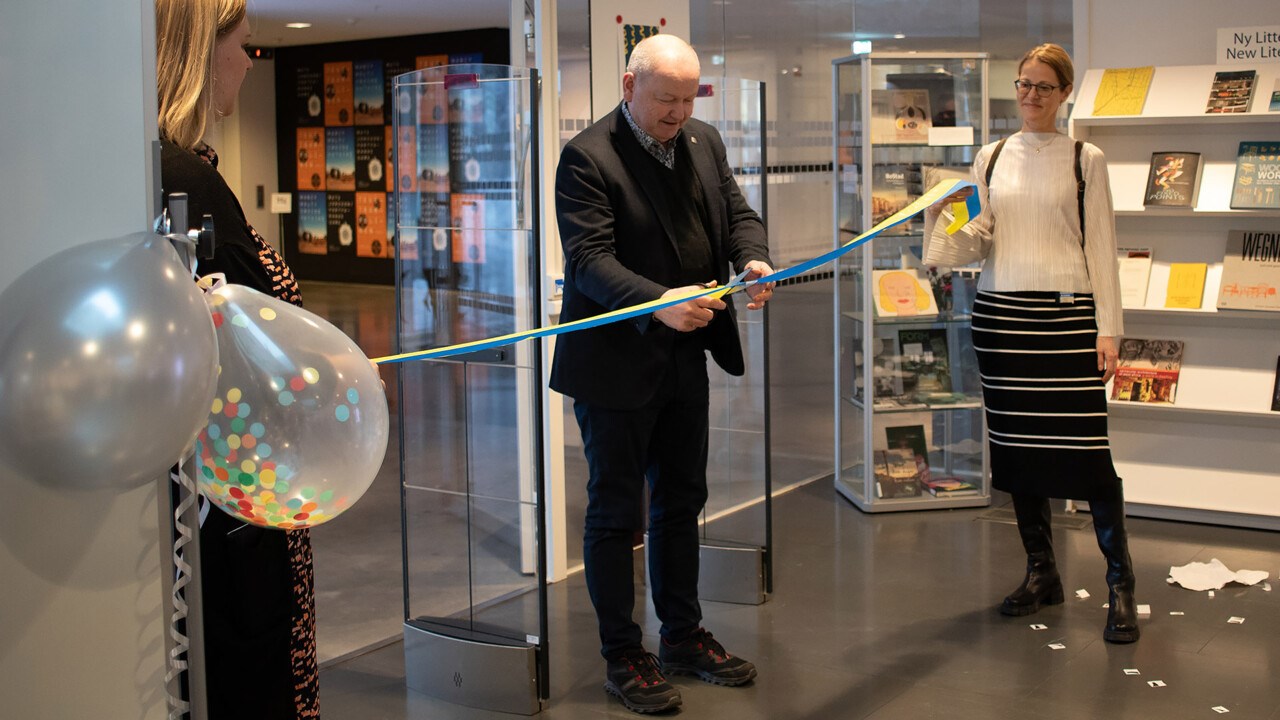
<point x="1042" y="89"/>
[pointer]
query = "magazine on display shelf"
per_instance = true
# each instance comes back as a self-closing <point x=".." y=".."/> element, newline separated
<point x="1147" y="371"/>
<point x="1231" y="91"/>
<point x="1251" y="271"/>
<point x="1186" y="285"/>
<point x="1173" y="181"/>
<point x="1257" y="179"/>
<point x="1135" y="272"/>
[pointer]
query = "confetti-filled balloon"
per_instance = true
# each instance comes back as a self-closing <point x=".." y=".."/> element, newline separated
<point x="298" y="428"/>
<point x="108" y="363"/>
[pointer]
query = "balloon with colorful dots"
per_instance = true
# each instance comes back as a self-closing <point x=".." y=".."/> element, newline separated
<point x="299" y="425"/>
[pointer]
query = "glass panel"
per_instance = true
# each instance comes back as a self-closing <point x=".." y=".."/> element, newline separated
<point x="737" y="465"/>
<point x="467" y="270"/>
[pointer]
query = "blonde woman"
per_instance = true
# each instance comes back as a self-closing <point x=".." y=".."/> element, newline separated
<point x="258" y="595"/>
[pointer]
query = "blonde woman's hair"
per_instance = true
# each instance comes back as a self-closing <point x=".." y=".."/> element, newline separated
<point x="1056" y="58"/>
<point x="186" y="31"/>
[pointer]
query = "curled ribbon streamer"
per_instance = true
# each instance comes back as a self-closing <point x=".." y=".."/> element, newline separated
<point x="964" y="212"/>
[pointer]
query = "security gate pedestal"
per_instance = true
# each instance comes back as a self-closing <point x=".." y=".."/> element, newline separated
<point x="471" y="668"/>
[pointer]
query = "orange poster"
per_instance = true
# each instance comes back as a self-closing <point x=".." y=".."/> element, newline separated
<point x="339" y="94"/>
<point x="371" y="225"/>
<point x="311" y="168"/>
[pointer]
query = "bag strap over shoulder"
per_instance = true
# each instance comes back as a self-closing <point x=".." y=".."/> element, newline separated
<point x="1080" y="189"/>
<point x="1080" y="184"/>
<point x="994" y="156"/>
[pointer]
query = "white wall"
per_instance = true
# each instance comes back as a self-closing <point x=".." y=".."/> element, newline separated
<point x="246" y="145"/>
<point x="81" y="629"/>
<point x="1133" y="33"/>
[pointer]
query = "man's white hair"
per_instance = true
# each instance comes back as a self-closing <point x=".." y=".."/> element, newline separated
<point x="651" y="51"/>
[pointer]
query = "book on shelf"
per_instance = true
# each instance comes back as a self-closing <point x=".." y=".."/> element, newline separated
<point x="902" y="293"/>
<point x="1257" y="181"/>
<point x="910" y="438"/>
<point x="1275" y="98"/>
<point x="950" y="487"/>
<point x="1123" y="91"/>
<point x="889" y="382"/>
<point x="1275" y="391"/>
<point x="1231" y="91"/>
<point x="900" y="116"/>
<point x="1251" y="271"/>
<point x="896" y="473"/>
<point x="1186" y="285"/>
<point x="944" y="398"/>
<point x="893" y="187"/>
<point x="1173" y="181"/>
<point x="1147" y="371"/>
<point x="924" y="354"/>
<point x="1135" y="272"/>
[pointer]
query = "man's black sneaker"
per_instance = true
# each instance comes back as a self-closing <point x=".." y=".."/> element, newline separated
<point x="703" y="656"/>
<point x="638" y="682"/>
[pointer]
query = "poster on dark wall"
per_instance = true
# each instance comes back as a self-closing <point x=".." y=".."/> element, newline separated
<point x="371" y="158"/>
<point x="312" y="224"/>
<point x="337" y="151"/>
<point x="340" y="209"/>
<point x="340" y="158"/>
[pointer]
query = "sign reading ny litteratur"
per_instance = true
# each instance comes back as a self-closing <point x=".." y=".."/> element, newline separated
<point x="1257" y="43"/>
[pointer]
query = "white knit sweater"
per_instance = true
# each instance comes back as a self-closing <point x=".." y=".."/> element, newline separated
<point x="1030" y="228"/>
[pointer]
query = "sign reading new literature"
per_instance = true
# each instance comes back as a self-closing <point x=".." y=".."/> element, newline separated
<point x="1249" y="44"/>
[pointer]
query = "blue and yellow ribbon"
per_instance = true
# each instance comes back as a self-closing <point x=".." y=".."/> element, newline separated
<point x="964" y="212"/>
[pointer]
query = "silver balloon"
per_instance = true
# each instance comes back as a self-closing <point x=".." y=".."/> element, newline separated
<point x="108" y="364"/>
<point x="299" y="426"/>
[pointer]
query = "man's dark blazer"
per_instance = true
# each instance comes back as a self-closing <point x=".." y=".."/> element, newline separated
<point x="620" y="250"/>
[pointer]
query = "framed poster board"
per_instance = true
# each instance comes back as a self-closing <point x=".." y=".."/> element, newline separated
<point x="336" y="151"/>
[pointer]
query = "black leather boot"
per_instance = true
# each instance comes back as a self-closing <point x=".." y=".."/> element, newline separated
<point x="1122" y="612"/>
<point x="1041" y="586"/>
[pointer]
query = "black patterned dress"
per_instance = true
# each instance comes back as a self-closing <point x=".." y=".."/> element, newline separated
<point x="258" y="585"/>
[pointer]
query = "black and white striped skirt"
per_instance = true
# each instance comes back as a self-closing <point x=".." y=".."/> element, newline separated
<point x="1045" y="401"/>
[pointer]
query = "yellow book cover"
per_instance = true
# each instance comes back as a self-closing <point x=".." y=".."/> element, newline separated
<point x="1186" y="285"/>
<point x="1123" y="91"/>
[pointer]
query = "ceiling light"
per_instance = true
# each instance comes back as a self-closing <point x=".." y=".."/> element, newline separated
<point x="298" y="25"/>
<point x="861" y="47"/>
<point x="899" y="36"/>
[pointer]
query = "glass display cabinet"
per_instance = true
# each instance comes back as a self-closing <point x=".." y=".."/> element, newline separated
<point x="909" y="427"/>
<point x="467" y="268"/>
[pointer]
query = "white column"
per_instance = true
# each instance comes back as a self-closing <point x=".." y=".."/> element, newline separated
<point x="81" y="600"/>
<point x="547" y="60"/>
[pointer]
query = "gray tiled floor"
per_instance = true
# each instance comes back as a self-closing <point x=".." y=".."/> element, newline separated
<point x="891" y="616"/>
<point x="873" y="616"/>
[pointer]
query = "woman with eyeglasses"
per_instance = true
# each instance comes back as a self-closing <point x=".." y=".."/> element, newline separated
<point x="1045" y="324"/>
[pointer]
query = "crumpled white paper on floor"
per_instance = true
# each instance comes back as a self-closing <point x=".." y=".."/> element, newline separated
<point x="1213" y="575"/>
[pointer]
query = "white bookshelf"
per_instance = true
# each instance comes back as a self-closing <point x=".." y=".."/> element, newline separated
<point x="1214" y="455"/>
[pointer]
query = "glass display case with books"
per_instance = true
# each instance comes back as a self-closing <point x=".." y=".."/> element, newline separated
<point x="1192" y="424"/>
<point x="909" y="425"/>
